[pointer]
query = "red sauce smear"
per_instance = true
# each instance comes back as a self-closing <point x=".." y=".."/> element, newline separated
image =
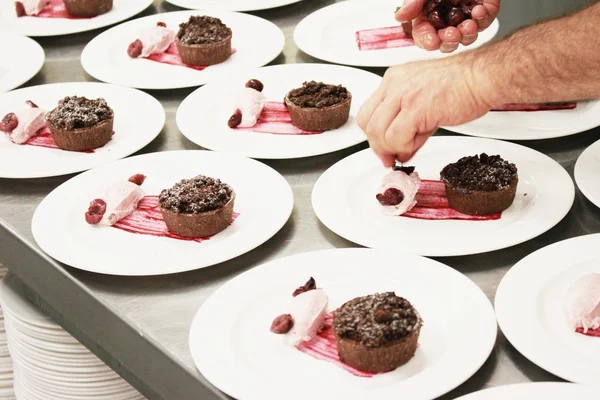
<point x="171" y="56"/>
<point x="148" y="220"/>
<point x="590" y="332"/>
<point x="536" y="107"/>
<point x="324" y="347"/>
<point x="432" y="204"/>
<point x="275" y="119"/>
<point x="44" y="139"/>
<point x="56" y="9"/>
<point x="383" y="38"/>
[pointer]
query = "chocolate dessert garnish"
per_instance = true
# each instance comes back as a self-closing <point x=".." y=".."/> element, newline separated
<point x="75" y="112"/>
<point x="19" y="9"/>
<point x="138" y="179"/>
<point x="9" y="123"/>
<point x="202" y="30"/>
<point x="255" y="84"/>
<point x="480" y="173"/>
<point x="95" y="211"/>
<point x="235" y="120"/>
<point x="391" y="197"/>
<point x="317" y="95"/>
<point x="311" y="284"/>
<point x="31" y="104"/>
<point x="135" y="49"/>
<point x="406" y="170"/>
<point x="197" y="195"/>
<point x="282" y="324"/>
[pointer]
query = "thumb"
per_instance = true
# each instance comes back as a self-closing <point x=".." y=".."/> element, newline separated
<point x="409" y="10"/>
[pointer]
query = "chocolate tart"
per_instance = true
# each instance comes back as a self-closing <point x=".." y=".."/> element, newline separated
<point x="80" y="124"/>
<point x="204" y="40"/>
<point x="197" y="207"/>
<point x="88" y="8"/>
<point x="377" y="333"/>
<point x="317" y="106"/>
<point x="480" y="184"/>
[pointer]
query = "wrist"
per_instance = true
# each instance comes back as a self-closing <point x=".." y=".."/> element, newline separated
<point x="485" y="80"/>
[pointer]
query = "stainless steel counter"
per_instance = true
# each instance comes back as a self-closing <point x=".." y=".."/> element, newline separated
<point x="139" y="326"/>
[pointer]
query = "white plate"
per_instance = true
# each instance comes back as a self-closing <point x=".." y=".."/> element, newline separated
<point x="203" y="115"/>
<point x="530" y="309"/>
<point x="245" y="360"/>
<point x="232" y="5"/>
<point x="25" y="61"/>
<point x="329" y="34"/>
<point x="587" y="173"/>
<point x="31" y="26"/>
<point x="536" y="391"/>
<point x="256" y="41"/>
<point x="344" y="200"/>
<point x="58" y="222"/>
<point x="520" y="125"/>
<point x="139" y="118"/>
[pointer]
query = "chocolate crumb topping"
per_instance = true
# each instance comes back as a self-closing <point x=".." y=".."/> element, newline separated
<point x="376" y="320"/>
<point x="196" y="195"/>
<point x="480" y="173"/>
<point x="318" y="95"/>
<point x="406" y="170"/>
<point x="75" y="112"/>
<point x="203" y="30"/>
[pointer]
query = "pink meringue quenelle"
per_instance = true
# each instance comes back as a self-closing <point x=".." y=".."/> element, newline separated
<point x="308" y="311"/>
<point x="153" y="40"/>
<point x="399" y="191"/>
<point x="23" y="124"/>
<point x="31" y="7"/>
<point x="582" y="304"/>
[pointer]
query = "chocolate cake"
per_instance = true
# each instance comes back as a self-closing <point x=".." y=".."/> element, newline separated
<point x="204" y="40"/>
<point x="88" y="8"/>
<point x="197" y="207"/>
<point x="377" y="333"/>
<point x="80" y="124"/>
<point x="317" y="106"/>
<point x="480" y="184"/>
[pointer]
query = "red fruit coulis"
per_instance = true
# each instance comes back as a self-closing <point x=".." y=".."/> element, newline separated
<point x="56" y="9"/>
<point x="536" y="107"/>
<point x="171" y="56"/>
<point x="44" y="139"/>
<point x="383" y="38"/>
<point x="148" y="220"/>
<point x="590" y="332"/>
<point x="275" y="119"/>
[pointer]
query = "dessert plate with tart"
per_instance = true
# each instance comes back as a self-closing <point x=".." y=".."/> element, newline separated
<point x="25" y="58"/>
<point x="345" y="323"/>
<point x="162" y="213"/>
<point x="457" y="196"/>
<point x="367" y="36"/>
<point x="587" y="171"/>
<point x="537" y="390"/>
<point x="268" y="128"/>
<point x="63" y="128"/>
<point x="534" y="121"/>
<point x="548" y="307"/>
<point x="154" y="52"/>
<point x="232" y="5"/>
<point x="64" y="17"/>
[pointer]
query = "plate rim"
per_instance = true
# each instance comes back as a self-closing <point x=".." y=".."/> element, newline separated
<point x="582" y="183"/>
<point x="38" y="49"/>
<point x="243" y="9"/>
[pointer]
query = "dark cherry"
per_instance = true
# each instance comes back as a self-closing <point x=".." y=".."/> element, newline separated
<point x="282" y="324"/>
<point x="31" y="104"/>
<point x="455" y="16"/>
<point x="311" y="284"/>
<point x="138" y="179"/>
<point x="391" y="197"/>
<point x="135" y="49"/>
<point x="444" y="13"/>
<point x="235" y="120"/>
<point x="436" y="20"/>
<point x="406" y="170"/>
<point x="9" y="123"/>
<point x="95" y="211"/>
<point x="468" y="6"/>
<point x="19" y="9"/>
<point x="161" y="24"/>
<point x="255" y="84"/>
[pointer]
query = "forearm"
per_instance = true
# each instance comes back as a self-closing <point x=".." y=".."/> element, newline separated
<point x="554" y="61"/>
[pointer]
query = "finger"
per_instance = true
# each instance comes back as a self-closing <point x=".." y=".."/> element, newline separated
<point x="387" y="159"/>
<point x="451" y="38"/>
<point x="425" y="35"/>
<point x="368" y="108"/>
<point x="419" y="141"/>
<point x="399" y="138"/>
<point x="485" y="14"/>
<point x="409" y="10"/>
<point x="380" y="122"/>
<point x="468" y="30"/>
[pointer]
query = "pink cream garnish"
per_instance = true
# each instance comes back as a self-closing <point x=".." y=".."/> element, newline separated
<point x="590" y="332"/>
<point x="324" y="347"/>
<point x="56" y="9"/>
<point x="536" y="107"/>
<point x="171" y="56"/>
<point x="275" y="119"/>
<point x="148" y="220"/>
<point x="44" y="139"/>
<point x="432" y="204"/>
<point x="383" y="38"/>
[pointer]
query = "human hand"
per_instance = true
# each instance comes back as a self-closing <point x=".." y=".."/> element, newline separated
<point x="415" y="99"/>
<point x="447" y="39"/>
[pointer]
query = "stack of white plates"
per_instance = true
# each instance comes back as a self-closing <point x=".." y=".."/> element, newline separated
<point x="6" y="367"/>
<point x="49" y="363"/>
